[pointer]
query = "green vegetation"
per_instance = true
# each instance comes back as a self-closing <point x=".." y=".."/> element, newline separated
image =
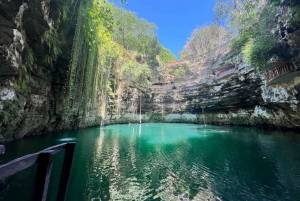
<point x="132" y="32"/>
<point x="165" y="55"/>
<point x="112" y="47"/>
<point x="251" y="28"/>
<point x="137" y="75"/>
<point x="202" y="40"/>
<point x="91" y="47"/>
<point x="295" y="21"/>
<point x="252" y="23"/>
<point x="51" y="39"/>
<point x="178" y="71"/>
<point x="138" y="35"/>
<point x="88" y="51"/>
<point x="156" y="118"/>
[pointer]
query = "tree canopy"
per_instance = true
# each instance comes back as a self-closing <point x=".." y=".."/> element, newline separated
<point x="204" y="39"/>
<point x="249" y="27"/>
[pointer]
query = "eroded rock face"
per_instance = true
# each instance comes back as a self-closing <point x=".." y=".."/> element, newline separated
<point x="32" y="101"/>
<point x="243" y="98"/>
<point x="240" y="98"/>
<point x="12" y="41"/>
<point x="31" y="96"/>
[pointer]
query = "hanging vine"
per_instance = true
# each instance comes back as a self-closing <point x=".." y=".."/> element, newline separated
<point x="95" y="67"/>
<point x="89" y="69"/>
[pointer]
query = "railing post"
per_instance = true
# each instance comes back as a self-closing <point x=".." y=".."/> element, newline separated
<point x="43" y="175"/>
<point x="65" y="172"/>
<point x="2" y="149"/>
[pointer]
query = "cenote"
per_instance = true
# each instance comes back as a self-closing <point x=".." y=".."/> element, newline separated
<point x="161" y="161"/>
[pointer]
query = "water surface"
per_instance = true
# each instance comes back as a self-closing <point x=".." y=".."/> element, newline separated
<point x="161" y="161"/>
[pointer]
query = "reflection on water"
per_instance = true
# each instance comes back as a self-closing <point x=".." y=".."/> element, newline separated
<point x="161" y="133"/>
<point x="66" y="139"/>
<point x="164" y="161"/>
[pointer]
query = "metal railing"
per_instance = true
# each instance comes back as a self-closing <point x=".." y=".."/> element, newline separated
<point x="44" y="159"/>
<point x="279" y="71"/>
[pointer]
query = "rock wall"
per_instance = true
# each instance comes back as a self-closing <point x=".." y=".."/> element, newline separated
<point x="241" y="98"/>
<point x="32" y="75"/>
<point x="221" y="88"/>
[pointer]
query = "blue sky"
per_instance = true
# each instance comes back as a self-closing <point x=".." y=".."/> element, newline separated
<point x="175" y="19"/>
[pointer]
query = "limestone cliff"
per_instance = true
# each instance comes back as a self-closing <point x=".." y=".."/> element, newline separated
<point x="241" y="98"/>
<point x="222" y="88"/>
<point x="47" y="73"/>
<point x="36" y="40"/>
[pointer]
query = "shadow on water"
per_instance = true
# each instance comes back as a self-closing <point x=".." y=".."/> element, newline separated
<point x="164" y="161"/>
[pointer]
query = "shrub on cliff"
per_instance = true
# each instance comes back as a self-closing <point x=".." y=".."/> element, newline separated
<point x="257" y="37"/>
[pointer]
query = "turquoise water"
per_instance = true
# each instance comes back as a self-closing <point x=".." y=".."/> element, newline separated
<point x="162" y="161"/>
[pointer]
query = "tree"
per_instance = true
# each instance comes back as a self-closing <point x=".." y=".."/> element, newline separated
<point x="137" y="34"/>
<point x="137" y="75"/>
<point x="178" y="69"/>
<point x="165" y="55"/>
<point x="202" y="40"/>
<point x="254" y="21"/>
<point x="131" y="30"/>
<point x="236" y="15"/>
